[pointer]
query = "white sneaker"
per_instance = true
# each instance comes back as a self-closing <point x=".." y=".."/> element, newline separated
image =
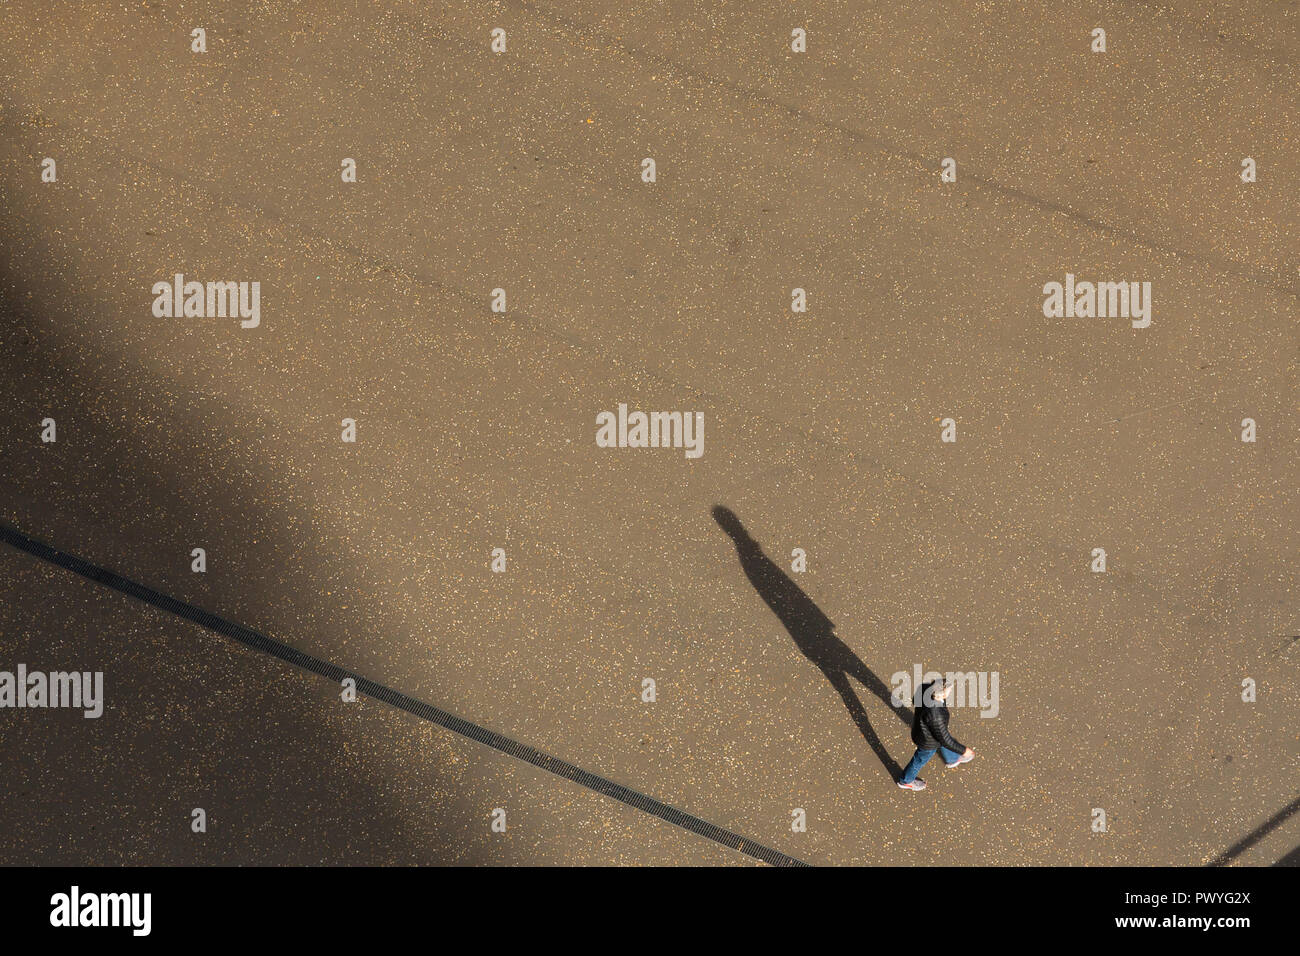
<point x="917" y="784"/>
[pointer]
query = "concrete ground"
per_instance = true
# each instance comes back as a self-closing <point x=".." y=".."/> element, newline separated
<point x="476" y="430"/>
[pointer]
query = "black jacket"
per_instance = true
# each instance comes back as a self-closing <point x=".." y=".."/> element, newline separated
<point x="930" y="725"/>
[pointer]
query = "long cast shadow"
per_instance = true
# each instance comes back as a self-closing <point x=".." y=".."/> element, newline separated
<point x="1261" y="831"/>
<point x="813" y="633"/>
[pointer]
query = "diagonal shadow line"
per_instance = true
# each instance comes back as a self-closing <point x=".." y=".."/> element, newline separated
<point x="1261" y="831"/>
<point x="436" y="715"/>
<point x="814" y="634"/>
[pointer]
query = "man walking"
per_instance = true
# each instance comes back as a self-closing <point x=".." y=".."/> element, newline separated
<point x="930" y="734"/>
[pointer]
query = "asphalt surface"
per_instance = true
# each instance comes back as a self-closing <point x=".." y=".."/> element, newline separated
<point x="476" y="430"/>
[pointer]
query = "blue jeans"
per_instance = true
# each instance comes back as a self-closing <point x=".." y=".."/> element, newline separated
<point x="922" y="757"/>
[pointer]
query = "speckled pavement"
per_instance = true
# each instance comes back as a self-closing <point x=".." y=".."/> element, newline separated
<point x="521" y="170"/>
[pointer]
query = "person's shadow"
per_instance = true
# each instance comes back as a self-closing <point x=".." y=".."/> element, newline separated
<point x="813" y="633"/>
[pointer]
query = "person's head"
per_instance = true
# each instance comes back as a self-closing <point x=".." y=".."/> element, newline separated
<point x="934" y="692"/>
